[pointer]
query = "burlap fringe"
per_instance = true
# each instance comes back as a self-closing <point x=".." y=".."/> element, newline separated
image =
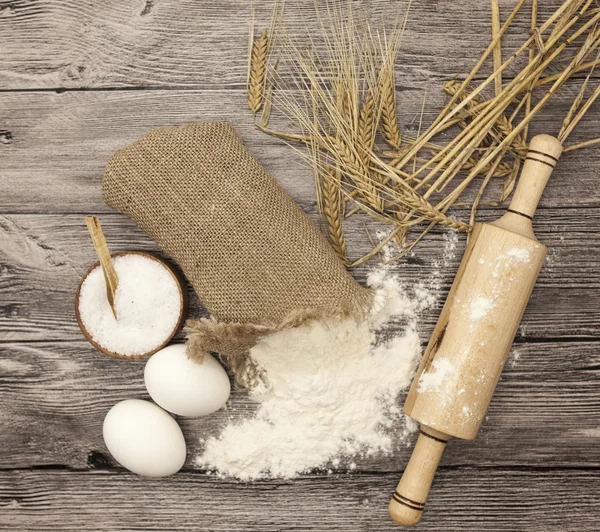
<point x="233" y="341"/>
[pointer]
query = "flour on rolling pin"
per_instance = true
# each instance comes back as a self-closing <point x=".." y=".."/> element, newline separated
<point x="461" y="375"/>
<point x="479" y="308"/>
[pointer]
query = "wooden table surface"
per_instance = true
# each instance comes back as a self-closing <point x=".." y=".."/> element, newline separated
<point x="80" y="79"/>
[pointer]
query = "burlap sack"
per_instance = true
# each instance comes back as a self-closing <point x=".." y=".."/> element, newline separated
<point x="254" y="258"/>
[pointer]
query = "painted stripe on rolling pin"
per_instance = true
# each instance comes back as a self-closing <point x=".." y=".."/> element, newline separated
<point x="540" y="161"/>
<point x="434" y="438"/>
<point x="520" y="214"/>
<point x="544" y="154"/>
<point x="414" y="505"/>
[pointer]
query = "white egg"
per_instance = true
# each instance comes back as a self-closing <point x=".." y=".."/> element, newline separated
<point x="144" y="438"/>
<point x="184" y="387"/>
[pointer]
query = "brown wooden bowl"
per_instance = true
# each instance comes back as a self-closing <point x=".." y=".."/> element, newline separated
<point x="183" y="299"/>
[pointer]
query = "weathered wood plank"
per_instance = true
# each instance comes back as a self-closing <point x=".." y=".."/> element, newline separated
<point x="461" y="500"/>
<point x="55" y="147"/>
<point x="42" y="259"/>
<point x="171" y="43"/>
<point x="54" y="394"/>
<point x="54" y="398"/>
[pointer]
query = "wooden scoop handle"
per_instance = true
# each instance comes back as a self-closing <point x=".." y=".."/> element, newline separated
<point x="408" y="501"/>
<point x="108" y="268"/>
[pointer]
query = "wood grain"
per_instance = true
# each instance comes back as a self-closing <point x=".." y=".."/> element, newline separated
<point x="42" y="259"/>
<point x="172" y="43"/>
<point x="55" y="395"/>
<point x="69" y="137"/>
<point x="80" y="79"/>
<point x="536" y="501"/>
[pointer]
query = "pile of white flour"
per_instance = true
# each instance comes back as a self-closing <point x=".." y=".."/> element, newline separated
<point x="332" y="392"/>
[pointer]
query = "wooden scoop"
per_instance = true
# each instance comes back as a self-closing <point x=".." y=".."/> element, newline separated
<point x="108" y="268"/>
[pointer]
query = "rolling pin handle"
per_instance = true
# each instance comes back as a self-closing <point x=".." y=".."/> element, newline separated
<point x="542" y="155"/>
<point x="408" y="502"/>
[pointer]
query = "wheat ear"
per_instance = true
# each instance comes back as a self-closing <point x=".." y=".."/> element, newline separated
<point x="366" y="127"/>
<point x="389" y="117"/>
<point x="332" y="210"/>
<point x="353" y="166"/>
<point x="258" y="69"/>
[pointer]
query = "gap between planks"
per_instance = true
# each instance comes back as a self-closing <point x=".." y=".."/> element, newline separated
<point x="517" y="468"/>
<point x="242" y="86"/>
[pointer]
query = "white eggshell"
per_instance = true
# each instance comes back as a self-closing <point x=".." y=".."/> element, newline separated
<point x="184" y="387"/>
<point x="144" y="438"/>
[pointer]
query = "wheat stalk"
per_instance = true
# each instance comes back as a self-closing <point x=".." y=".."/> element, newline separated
<point x="497" y="54"/>
<point x="503" y="125"/>
<point x="339" y="93"/>
<point x="580" y="145"/>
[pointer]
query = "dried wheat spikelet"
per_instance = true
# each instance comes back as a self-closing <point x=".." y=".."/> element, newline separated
<point x="258" y="69"/>
<point x="355" y="169"/>
<point x="332" y="206"/>
<point x="389" y="117"/>
<point x="366" y="127"/>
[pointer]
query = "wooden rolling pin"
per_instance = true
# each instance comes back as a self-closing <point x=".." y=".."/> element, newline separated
<point x="471" y="341"/>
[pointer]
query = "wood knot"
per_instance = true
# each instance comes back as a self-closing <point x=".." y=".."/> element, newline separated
<point x="98" y="460"/>
<point x="5" y="136"/>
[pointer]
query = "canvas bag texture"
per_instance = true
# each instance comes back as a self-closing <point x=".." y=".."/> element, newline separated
<point x="254" y="258"/>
